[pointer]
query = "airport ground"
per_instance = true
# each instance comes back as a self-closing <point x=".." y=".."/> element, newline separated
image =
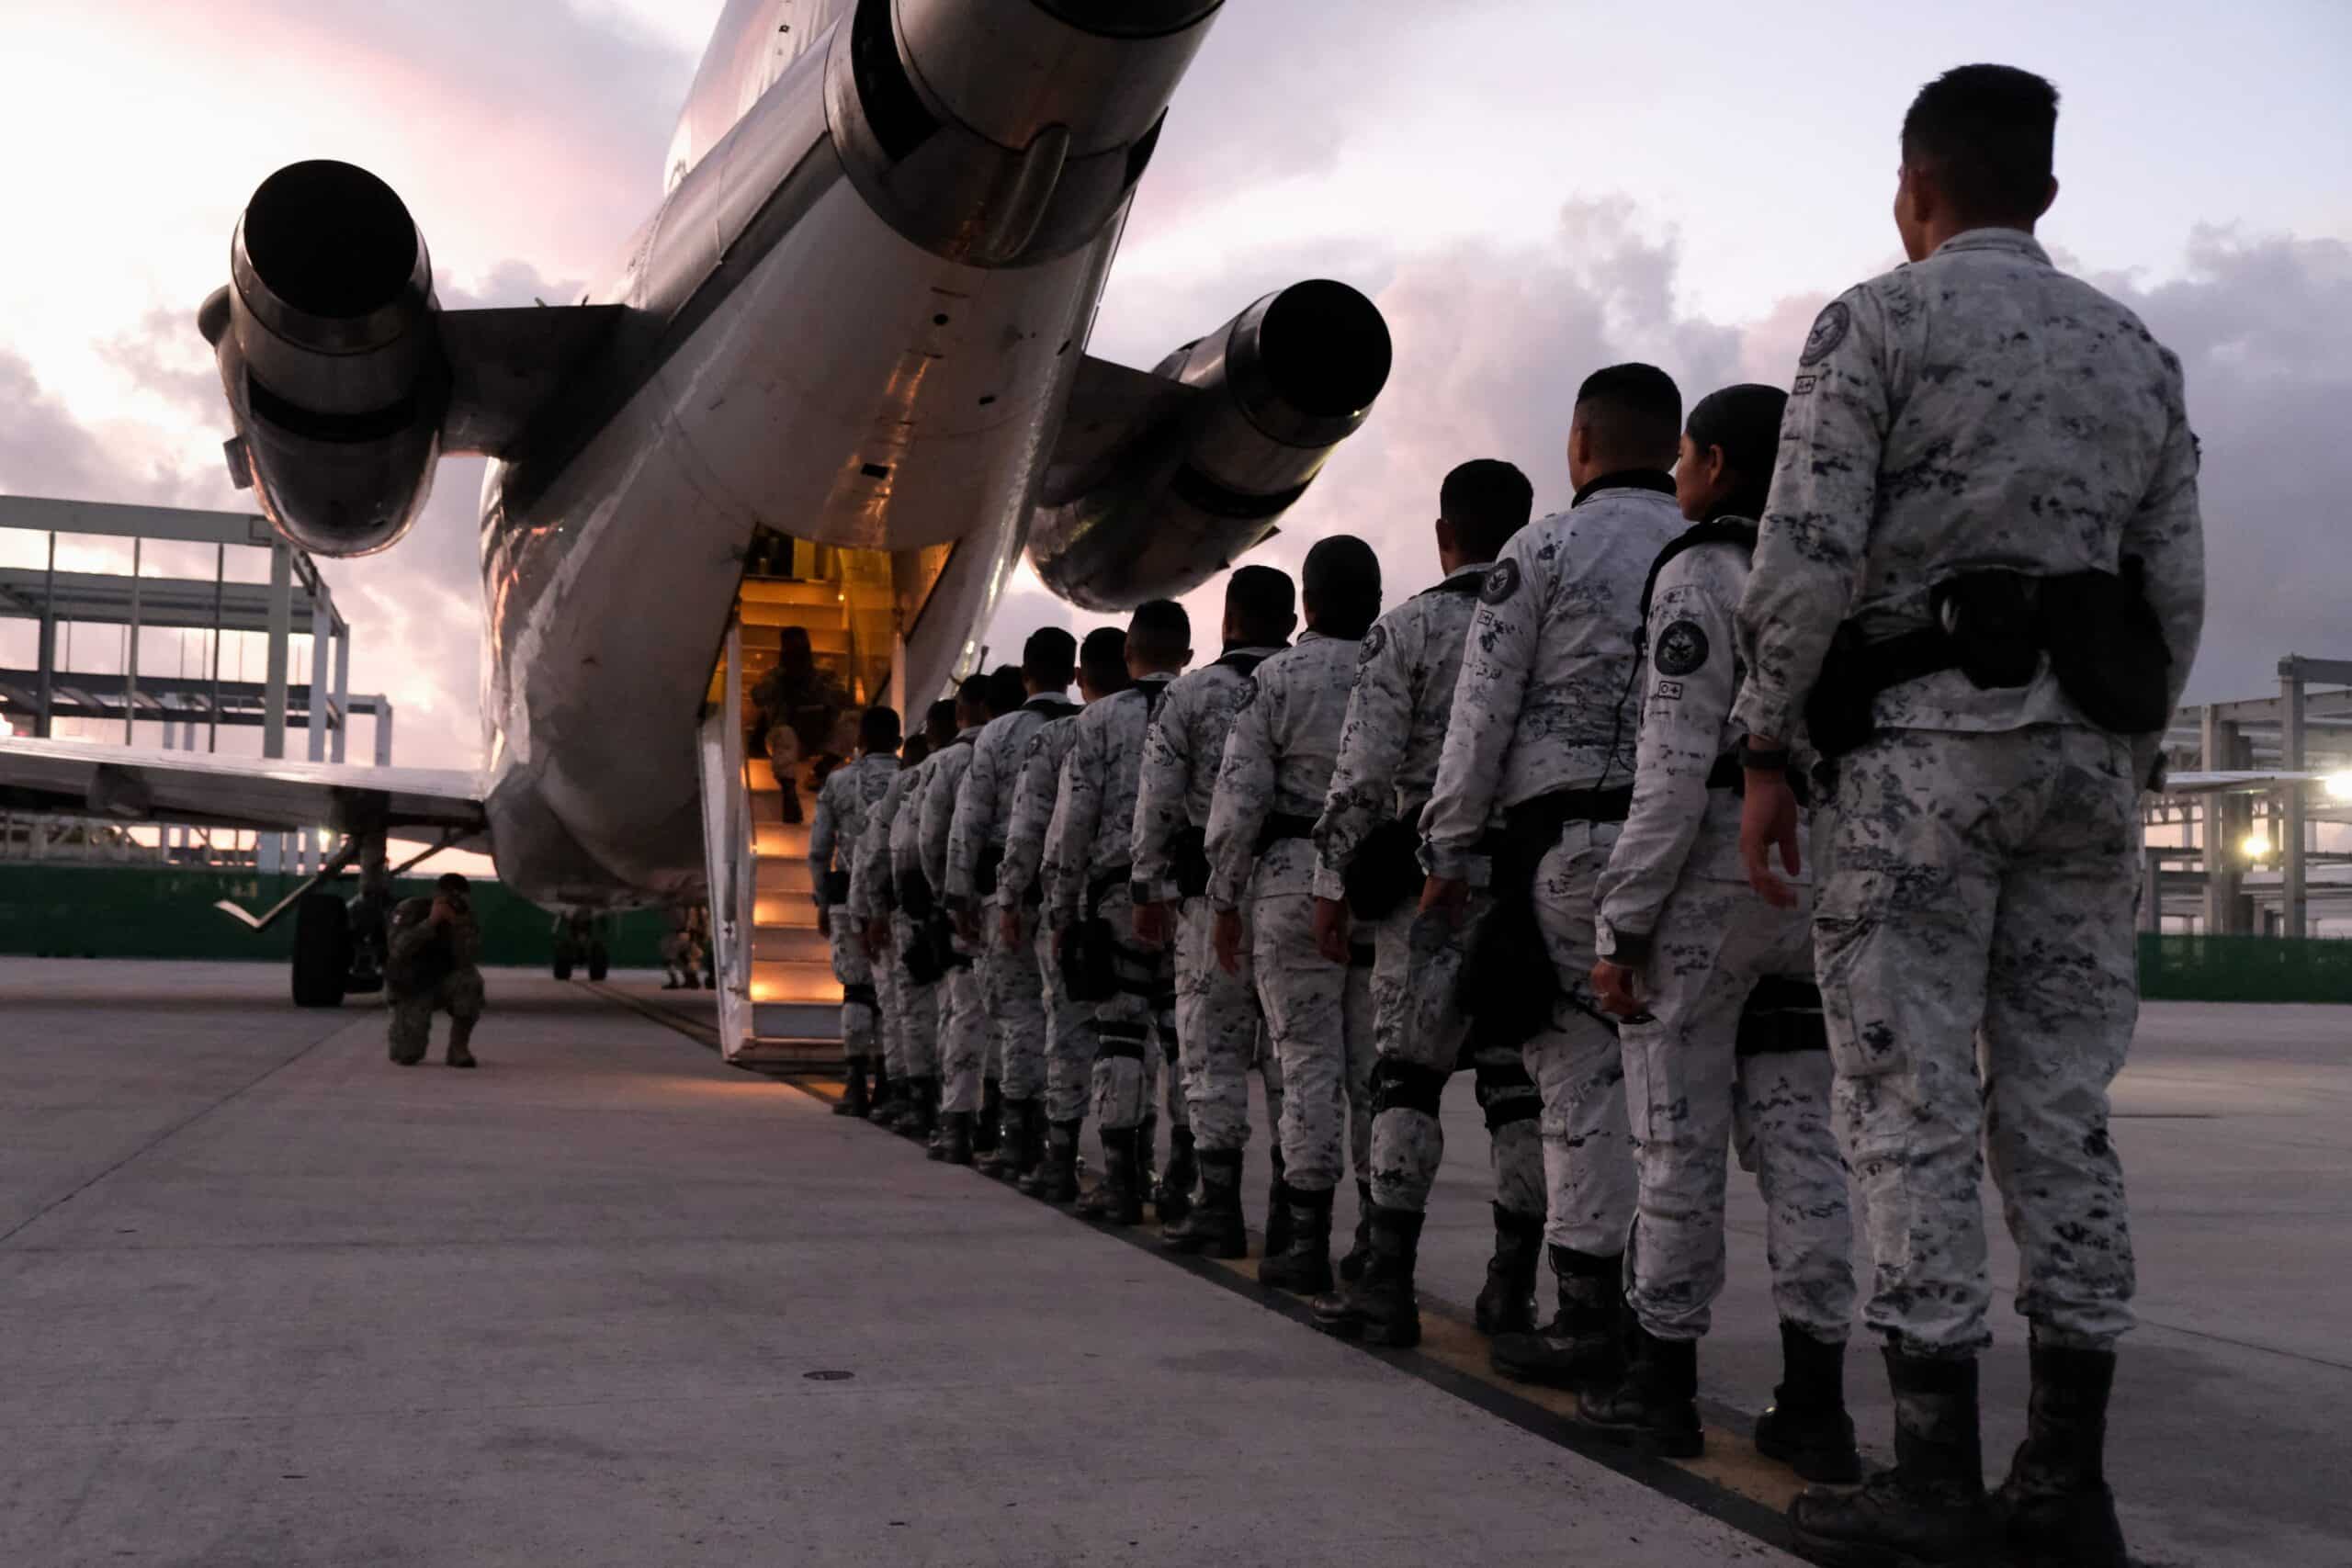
<point x="265" y="1299"/>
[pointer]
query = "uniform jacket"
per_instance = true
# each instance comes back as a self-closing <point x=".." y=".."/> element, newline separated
<point x="1279" y="756"/>
<point x="1035" y="787"/>
<point x="1546" y="700"/>
<point x="843" y="807"/>
<point x="944" y="772"/>
<point x="1405" y="673"/>
<point x="1977" y="409"/>
<point x="1181" y="753"/>
<point x="983" y="804"/>
<point x="869" y="874"/>
<point x="1092" y="832"/>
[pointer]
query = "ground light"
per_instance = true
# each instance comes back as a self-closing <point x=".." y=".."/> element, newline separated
<point x="2339" y="786"/>
<point x="2256" y="846"/>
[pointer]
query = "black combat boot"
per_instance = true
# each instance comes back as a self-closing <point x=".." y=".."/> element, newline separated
<point x="954" y="1144"/>
<point x="1278" y="1212"/>
<point x="991" y="1117"/>
<point x="1055" y="1180"/>
<point x="1929" y="1510"/>
<point x="1352" y="1267"/>
<point x="1377" y="1306"/>
<point x="853" y="1100"/>
<point x="2056" y="1506"/>
<point x="1304" y="1267"/>
<point x="1214" y="1226"/>
<point x="1147" y="1138"/>
<point x="1807" y="1428"/>
<point x="1033" y="1139"/>
<point x="922" y="1109"/>
<point x="1654" y="1407"/>
<point x="461" y="1030"/>
<point x="1174" y="1199"/>
<point x="1003" y="1160"/>
<point x="1507" y="1304"/>
<point x="884" y="1087"/>
<point x="1118" y="1199"/>
<point x="1584" y="1343"/>
<point x="890" y="1107"/>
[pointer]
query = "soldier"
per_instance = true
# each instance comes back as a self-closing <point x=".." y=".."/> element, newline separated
<point x="799" y="703"/>
<point x="1722" y="1026"/>
<point x="1276" y="771"/>
<point x="1542" y="726"/>
<point x="1365" y="843"/>
<point x="873" y="902"/>
<point x="434" y="947"/>
<point x="843" y="805"/>
<point x="1131" y="988"/>
<point x="1023" y="891"/>
<point x="1013" y="999"/>
<point x="963" y="1011"/>
<point x="1981" y="579"/>
<point x="921" y="969"/>
<point x="681" y="951"/>
<point x="1219" y="1029"/>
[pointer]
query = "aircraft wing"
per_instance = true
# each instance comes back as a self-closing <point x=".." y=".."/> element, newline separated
<point x="2235" y="782"/>
<point x="139" y="784"/>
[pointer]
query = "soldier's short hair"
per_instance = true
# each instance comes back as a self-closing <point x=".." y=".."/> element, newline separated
<point x="1103" y="657"/>
<point x="1486" y="501"/>
<point x="1005" y="690"/>
<point x="1159" y="632"/>
<point x="1050" y="657"/>
<point x="877" y="730"/>
<point x="1262" y="603"/>
<point x="939" y="721"/>
<point x="916" y="749"/>
<point x="1633" y="412"/>
<point x="974" y="694"/>
<point x="1341" y="584"/>
<point x="450" y="882"/>
<point x="1988" y="134"/>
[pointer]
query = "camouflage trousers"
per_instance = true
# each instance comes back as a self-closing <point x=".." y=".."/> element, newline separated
<point x="1975" y="930"/>
<point x="1320" y="1015"/>
<point x="1688" y="1091"/>
<point x="1418" y="1034"/>
<point x="1588" y="1152"/>
<point x="1016" y="1006"/>
<point x="1135" y="1031"/>
<point x="1069" y="1037"/>
<point x="918" y="1005"/>
<point x="459" y="995"/>
<point x="890" y="1034"/>
<point x="963" y="1037"/>
<point x="1219" y="1033"/>
<point x="859" y="1002"/>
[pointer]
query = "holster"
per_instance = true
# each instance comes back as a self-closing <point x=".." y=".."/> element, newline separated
<point x="984" y="871"/>
<point x="836" y="888"/>
<point x="2107" y="649"/>
<point x="1385" y="869"/>
<point x="1090" y="955"/>
<point x="1188" y="855"/>
<point x="1509" y="987"/>
<point x="914" y="896"/>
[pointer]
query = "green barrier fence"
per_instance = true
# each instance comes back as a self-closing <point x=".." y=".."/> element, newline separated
<point x="2244" y="969"/>
<point x="123" y="911"/>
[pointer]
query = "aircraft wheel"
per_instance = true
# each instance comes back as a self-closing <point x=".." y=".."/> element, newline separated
<point x="563" y="968"/>
<point x="599" y="963"/>
<point x="323" y="950"/>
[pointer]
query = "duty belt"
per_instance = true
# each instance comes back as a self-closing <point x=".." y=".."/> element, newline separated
<point x="1546" y="816"/>
<point x="1509" y="985"/>
<point x="1284" y="825"/>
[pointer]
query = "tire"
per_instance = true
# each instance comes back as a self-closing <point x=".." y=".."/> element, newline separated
<point x="599" y="963"/>
<point x="563" y="967"/>
<point x="321" y="951"/>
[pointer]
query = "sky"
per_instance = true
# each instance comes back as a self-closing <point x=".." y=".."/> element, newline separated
<point x="1528" y="188"/>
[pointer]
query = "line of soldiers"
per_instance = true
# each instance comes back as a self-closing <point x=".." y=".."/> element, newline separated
<point x="1776" y="796"/>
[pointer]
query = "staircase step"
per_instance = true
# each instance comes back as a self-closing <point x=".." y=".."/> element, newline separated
<point x="763" y="626"/>
<point x="786" y="910"/>
<point x="793" y="1020"/>
<point x="791" y="944"/>
<point x="766" y="590"/>
<point x="778" y="980"/>
<point x="786" y="876"/>
<point x="780" y="840"/>
<point x="760" y="774"/>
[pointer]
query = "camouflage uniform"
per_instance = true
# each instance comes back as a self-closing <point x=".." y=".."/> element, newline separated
<point x="1220" y="1030"/>
<point x="1974" y="921"/>
<point x="1388" y="751"/>
<point x="431" y="967"/>
<point x="1069" y="1028"/>
<point x="1013" y="997"/>
<point x="843" y="807"/>
<point x="870" y="900"/>
<point x="964" y="1009"/>
<point x="1544" y="703"/>
<point x="1090" y="843"/>
<point x="1276" y="769"/>
<point x="920" y="1000"/>
<point x="1675" y="905"/>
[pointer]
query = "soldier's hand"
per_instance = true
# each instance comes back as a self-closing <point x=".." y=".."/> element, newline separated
<point x="824" y="921"/>
<point x="1450" y="895"/>
<point x="1619" y="989"/>
<point x="442" y="913"/>
<point x="1332" y="930"/>
<point x="1151" y="924"/>
<point x="1768" y="819"/>
<point x="1228" y="934"/>
<point x="1007" y="925"/>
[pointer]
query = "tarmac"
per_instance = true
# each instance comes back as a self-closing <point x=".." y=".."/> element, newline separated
<point x="267" y="1298"/>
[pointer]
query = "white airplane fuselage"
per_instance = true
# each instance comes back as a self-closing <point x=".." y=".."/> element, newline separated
<point x="789" y="360"/>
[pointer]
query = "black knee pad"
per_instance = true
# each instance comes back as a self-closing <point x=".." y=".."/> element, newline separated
<point x="1402" y="1086"/>
<point x="1506" y="1094"/>
<point x="1782" y="1014"/>
<point x="863" y="996"/>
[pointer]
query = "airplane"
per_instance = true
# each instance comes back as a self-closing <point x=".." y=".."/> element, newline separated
<point x="854" y="331"/>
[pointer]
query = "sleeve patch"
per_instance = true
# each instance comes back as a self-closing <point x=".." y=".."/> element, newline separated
<point x="1500" y="584"/>
<point x="1682" y="649"/>
<point x="1668" y="689"/>
<point x="1804" y="384"/>
<point x="1249" y="695"/>
<point x="1374" y="641"/>
<point x="1828" y="332"/>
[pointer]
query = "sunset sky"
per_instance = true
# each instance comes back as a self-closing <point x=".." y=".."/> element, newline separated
<point x="1529" y="191"/>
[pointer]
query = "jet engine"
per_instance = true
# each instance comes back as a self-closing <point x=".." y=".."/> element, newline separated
<point x="1160" y="482"/>
<point x="331" y="357"/>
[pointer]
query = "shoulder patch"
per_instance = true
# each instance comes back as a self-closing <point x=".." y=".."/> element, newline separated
<point x="1247" y="694"/>
<point x="1500" y="584"/>
<point x="1374" y="641"/>
<point x="1828" y="332"/>
<point x="1682" y="649"/>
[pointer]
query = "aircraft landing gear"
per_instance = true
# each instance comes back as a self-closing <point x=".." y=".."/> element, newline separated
<point x="323" y="950"/>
